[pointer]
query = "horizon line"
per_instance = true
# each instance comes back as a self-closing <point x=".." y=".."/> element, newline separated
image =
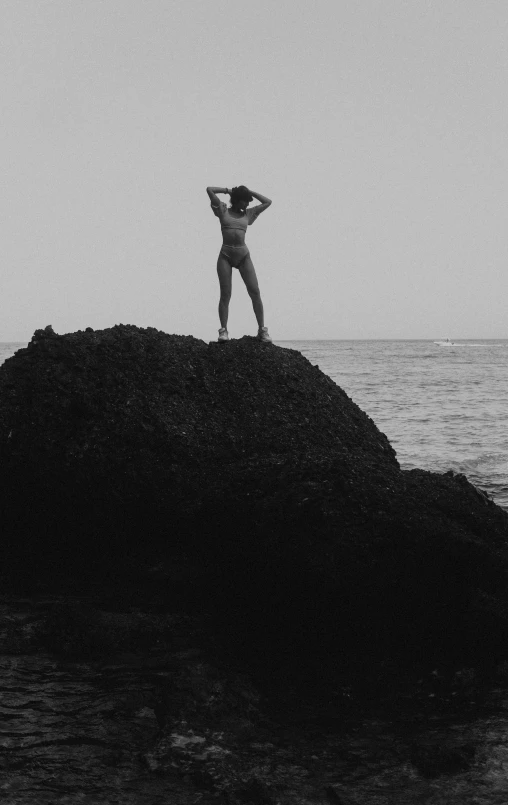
<point x="343" y="338"/>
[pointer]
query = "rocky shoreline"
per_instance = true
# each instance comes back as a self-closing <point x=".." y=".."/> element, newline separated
<point x="149" y="708"/>
<point x="235" y="494"/>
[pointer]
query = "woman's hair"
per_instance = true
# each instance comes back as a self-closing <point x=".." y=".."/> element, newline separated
<point x="239" y="194"/>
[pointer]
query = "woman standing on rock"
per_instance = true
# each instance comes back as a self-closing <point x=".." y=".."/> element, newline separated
<point x="234" y="252"/>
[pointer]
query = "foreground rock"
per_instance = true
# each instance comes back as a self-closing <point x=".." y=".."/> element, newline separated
<point x="239" y="480"/>
<point x="125" y="707"/>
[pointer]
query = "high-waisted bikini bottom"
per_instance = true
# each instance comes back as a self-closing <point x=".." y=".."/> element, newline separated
<point x="235" y="254"/>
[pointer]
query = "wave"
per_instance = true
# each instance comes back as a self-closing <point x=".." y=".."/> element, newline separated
<point x="464" y="344"/>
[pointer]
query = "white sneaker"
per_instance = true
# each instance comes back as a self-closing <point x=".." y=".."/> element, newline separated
<point x="223" y="334"/>
<point x="263" y="335"/>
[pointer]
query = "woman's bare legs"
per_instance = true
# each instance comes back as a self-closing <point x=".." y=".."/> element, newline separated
<point x="224" y="272"/>
<point x="248" y="275"/>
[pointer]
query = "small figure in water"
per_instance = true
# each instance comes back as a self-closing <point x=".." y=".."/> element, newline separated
<point x="234" y="252"/>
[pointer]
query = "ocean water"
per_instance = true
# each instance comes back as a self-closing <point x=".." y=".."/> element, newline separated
<point x="442" y="407"/>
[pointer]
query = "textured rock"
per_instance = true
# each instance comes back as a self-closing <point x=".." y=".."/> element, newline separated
<point x="239" y="479"/>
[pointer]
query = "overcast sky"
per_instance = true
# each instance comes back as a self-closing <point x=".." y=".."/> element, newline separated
<point x="378" y="127"/>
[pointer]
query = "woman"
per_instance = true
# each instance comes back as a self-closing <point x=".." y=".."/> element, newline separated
<point x="234" y="252"/>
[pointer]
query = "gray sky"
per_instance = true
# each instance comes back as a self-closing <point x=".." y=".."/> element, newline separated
<point x="378" y="127"/>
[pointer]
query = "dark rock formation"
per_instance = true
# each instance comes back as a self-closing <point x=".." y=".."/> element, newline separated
<point x="261" y="493"/>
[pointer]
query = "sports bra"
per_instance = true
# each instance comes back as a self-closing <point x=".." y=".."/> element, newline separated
<point x="228" y="221"/>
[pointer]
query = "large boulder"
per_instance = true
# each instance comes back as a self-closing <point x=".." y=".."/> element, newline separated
<point x="260" y="490"/>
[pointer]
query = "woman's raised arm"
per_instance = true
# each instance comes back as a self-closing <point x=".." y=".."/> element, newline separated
<point x="212" y="191"/>
<point x="259" y="197"/>
<point x="254" y="212"/>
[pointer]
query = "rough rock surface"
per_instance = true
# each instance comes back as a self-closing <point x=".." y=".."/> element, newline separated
<point x="239" y="479"/>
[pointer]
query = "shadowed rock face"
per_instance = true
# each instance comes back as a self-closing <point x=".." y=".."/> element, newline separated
<point x="259" y="489"/>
